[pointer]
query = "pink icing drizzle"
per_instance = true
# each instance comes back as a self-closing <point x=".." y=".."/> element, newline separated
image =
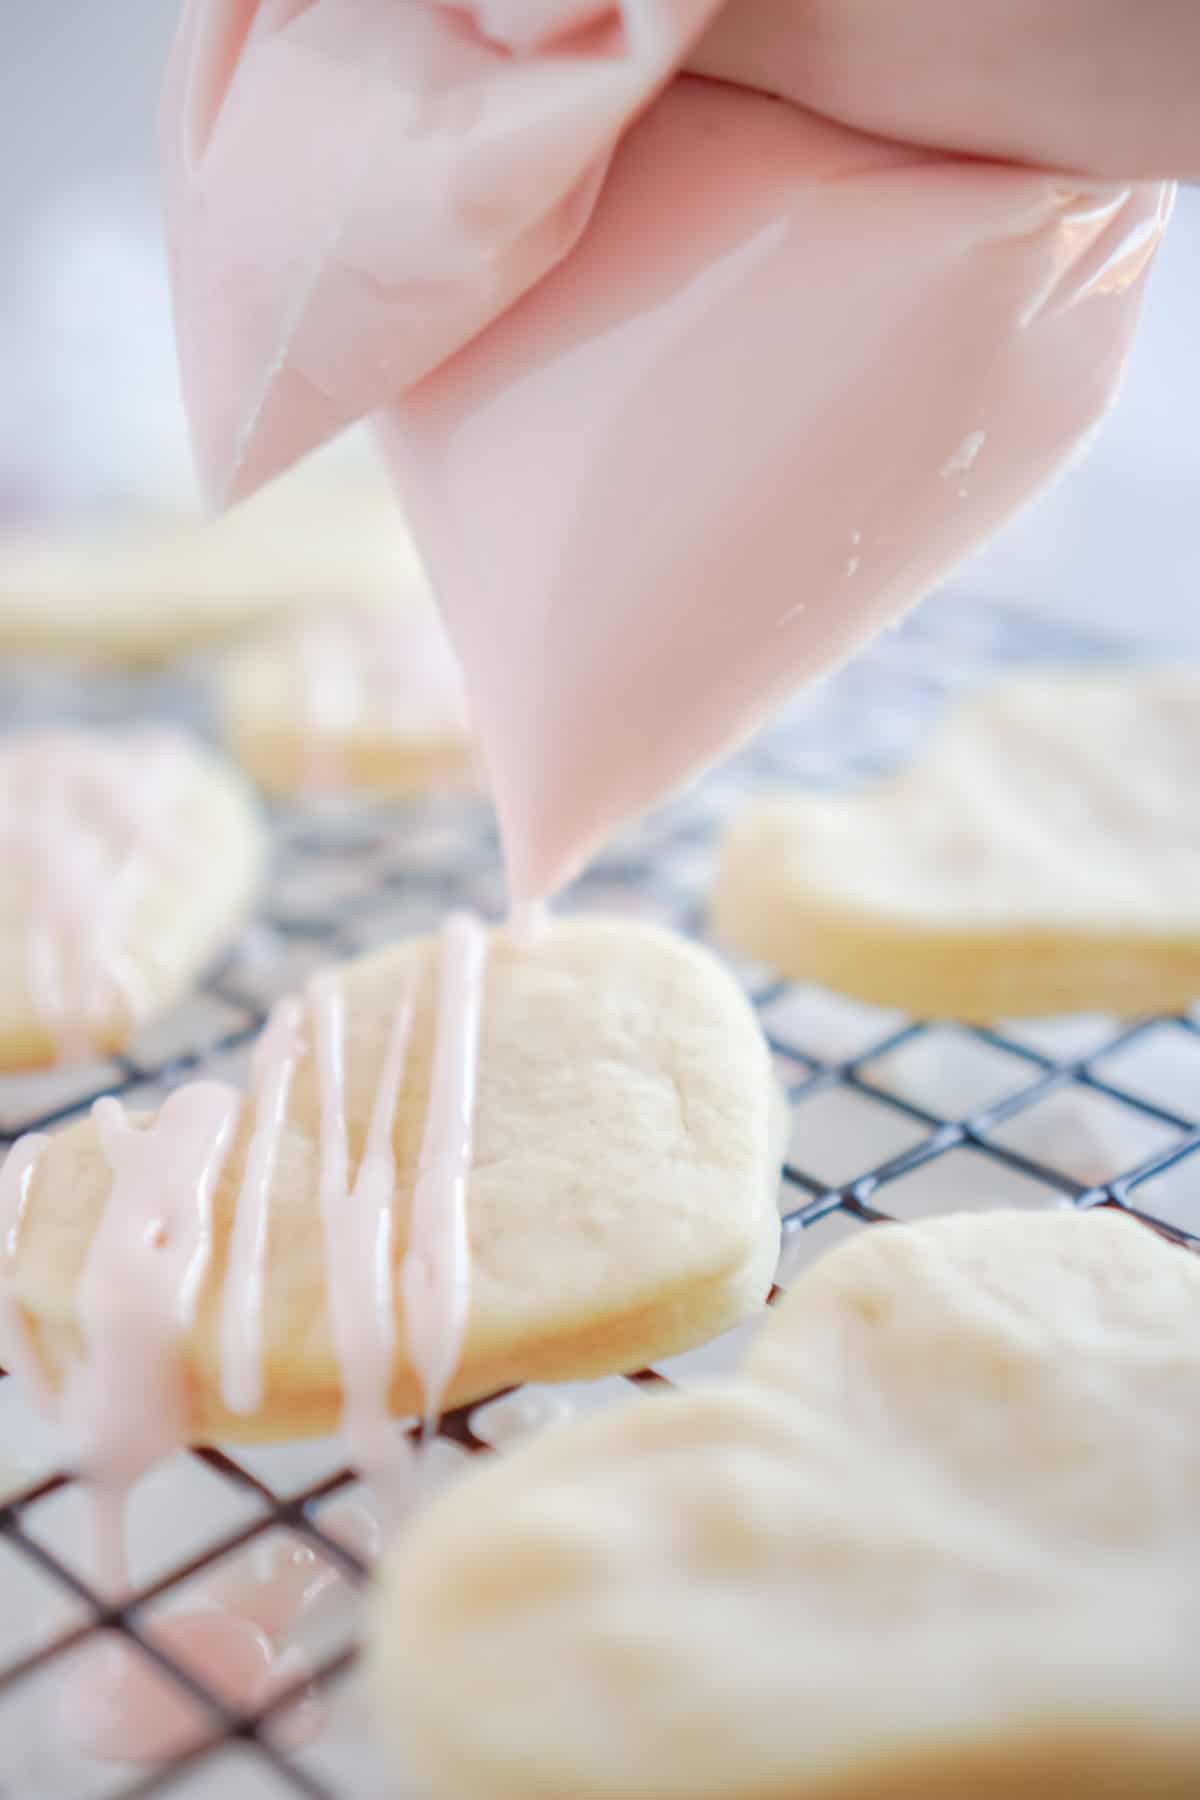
<point x="125" y="1400"/>
<point x="278" y="1051"/>
<point x="358" y="1228"/>
<point x="90" y="818"/>
<point x="436" y="1274"/>
<point x="16" y="1177"/>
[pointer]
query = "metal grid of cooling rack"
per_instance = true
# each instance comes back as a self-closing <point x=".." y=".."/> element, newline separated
<point x="892" y="1118"/>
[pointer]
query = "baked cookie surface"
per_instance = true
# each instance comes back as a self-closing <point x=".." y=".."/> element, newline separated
<point x="144" y="590"/>
<point x="620" y="1203"/>
<point x="1042" y="856"/>
<point x="129" y="860"/>
<point x="940" y="1537"/>
<point x="362" y="697"/>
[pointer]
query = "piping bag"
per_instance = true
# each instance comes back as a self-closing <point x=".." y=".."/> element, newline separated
<point x="686" y="391"/>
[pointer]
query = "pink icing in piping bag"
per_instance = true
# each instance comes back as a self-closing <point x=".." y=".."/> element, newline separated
<point x="124" y="1399"/>
<point x="688" y="391"/>
<point x="787" y="379"/>
<point x="364" y="666"/>
<point x="356" y="187"/>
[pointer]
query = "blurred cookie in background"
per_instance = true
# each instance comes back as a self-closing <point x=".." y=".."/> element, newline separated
<point x="360" y="697"/>
<point x="145" y="588"/>
<point x="1041" y="857"/>
<point x="128" y="860"/>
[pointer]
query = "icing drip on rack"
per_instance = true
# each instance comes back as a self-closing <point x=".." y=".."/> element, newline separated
<point x="90" y="820"/>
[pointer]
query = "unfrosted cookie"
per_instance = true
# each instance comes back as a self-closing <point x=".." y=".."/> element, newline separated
<point x="1043" y="856"/>
<point x="152" y="587"/>
<point x="127" y="860"/>
<point x="363" y="696"/>
<point x="941" y="1538"/>
<point x="618" y="1175"/>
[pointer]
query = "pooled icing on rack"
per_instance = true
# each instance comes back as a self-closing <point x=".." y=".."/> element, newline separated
<point x="276" y="1055"/>
<point x="85" y="823"/>
<point x="670" y="402"/>
<point x="117" y="1706"/>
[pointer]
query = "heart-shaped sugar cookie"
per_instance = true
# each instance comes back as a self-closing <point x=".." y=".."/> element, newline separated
<point x="1041" y="856"/>
<point x="612" y="1151"/>
<point x="940" y="1538"/>
<point x="127" y="860"/>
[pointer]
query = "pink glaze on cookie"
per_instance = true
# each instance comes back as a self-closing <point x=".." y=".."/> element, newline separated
<point x="89" y="820"/>
<point x="124" y="1399"/>
<point x="276" y="1056"/>
<point x="359" y="1225"/>
<point x="16" y="1352"/>
<point x="369" y="666"/>
<point x="437" y="1273"/>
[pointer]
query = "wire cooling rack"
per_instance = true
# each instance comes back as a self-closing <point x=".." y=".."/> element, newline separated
<point x="891" y="1118"/>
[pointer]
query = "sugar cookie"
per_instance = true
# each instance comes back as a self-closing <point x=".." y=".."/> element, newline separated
<point x="615" y="1187"/>
<point x="941" y="1537"/>
<point x="1042" y="857"/>
<point x="363" y="696"/>
<point x="150" y="588"/>
<point x="128" y="860"/>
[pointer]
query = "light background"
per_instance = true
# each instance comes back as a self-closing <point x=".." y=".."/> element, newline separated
<point x="89" y="412"/>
